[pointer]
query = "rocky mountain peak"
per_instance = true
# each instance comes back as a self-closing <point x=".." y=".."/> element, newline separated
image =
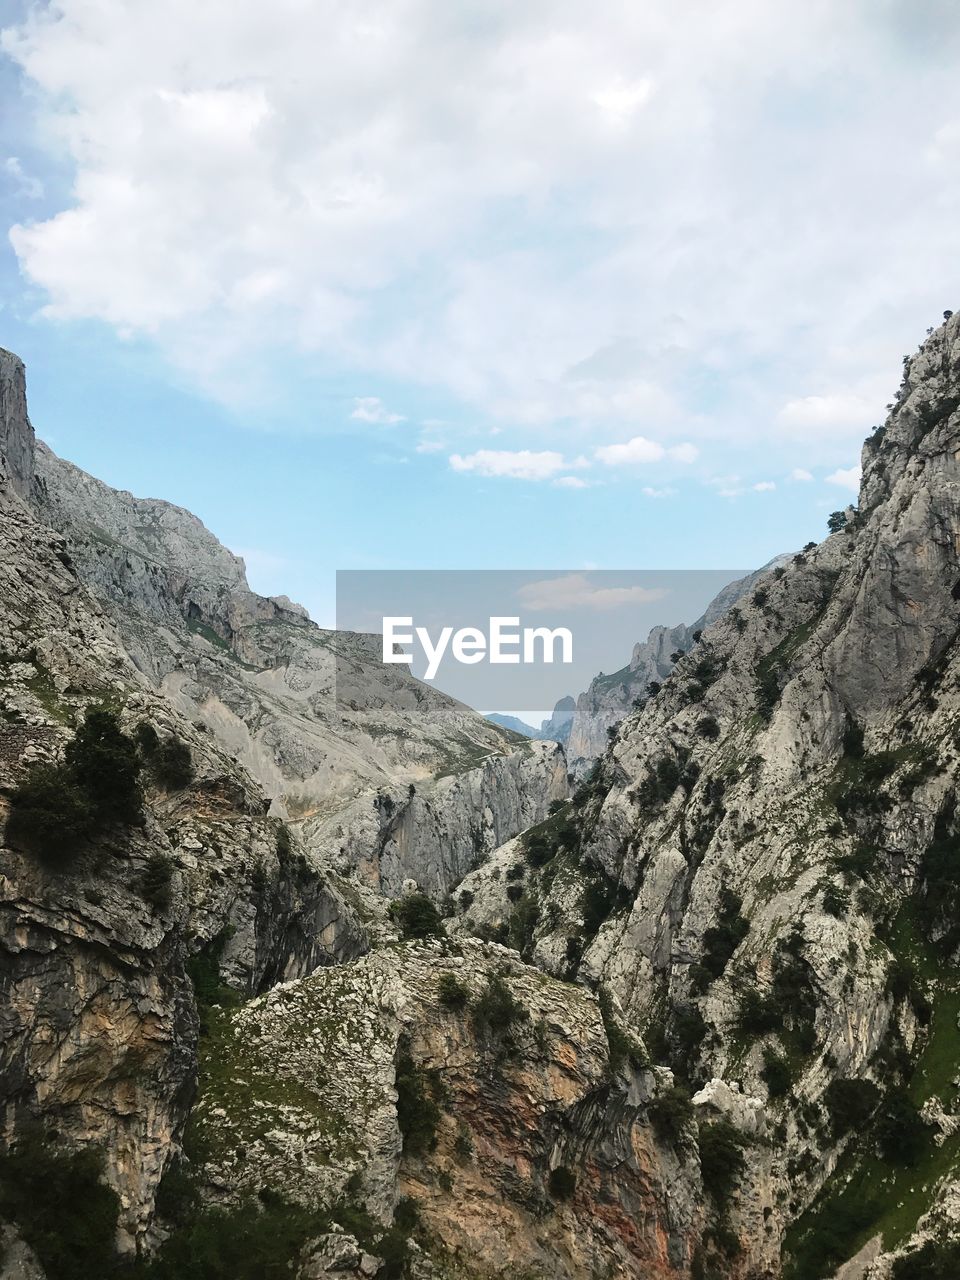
<point x="16" y="433"/>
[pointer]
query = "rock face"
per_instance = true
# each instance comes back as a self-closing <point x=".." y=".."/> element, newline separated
<point x="765" y="834"/>
<point x="16" y="433"/>
<point x="699" y="1020"/>
<point x="436" y="833"/>
<point x="561" y="721"/>
<point x="610" y="698"/>
<point x="99" y="1027"/>
<point x="108" y="599"/>
<point x="307" y="1099"/>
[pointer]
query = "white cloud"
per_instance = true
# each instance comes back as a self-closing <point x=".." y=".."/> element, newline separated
<point x="801" y="475"/>
<point x="764" y="486"/>
<point x="571" y="482"/>
<point x="372" y="409"/>
<point x="640" y="450"/>
<point x="27" y="186"/>
<point x="332" y="180"/>
<point x="828" y="413"/>
<point x="650" y="492"/>
<point x="848" y="478"/>
<point x="620" y="101"/>
<point x="686" y="453"/>
<point x="520" y="464"/>
<point x="576" y="591"/>
<point x="430" y="446"/>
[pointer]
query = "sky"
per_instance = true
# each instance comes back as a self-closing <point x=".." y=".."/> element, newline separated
<point x="476" y="285"/>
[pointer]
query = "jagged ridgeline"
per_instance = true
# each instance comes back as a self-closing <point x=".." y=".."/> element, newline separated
<point x="293" y="988"/>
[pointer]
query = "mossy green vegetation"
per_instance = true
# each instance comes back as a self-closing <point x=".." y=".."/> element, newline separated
<point x="720" y="941"/>
<point x="61" y="1206"/>
<point x="59" y="807"/>
<point x="542" y="843"/>
<point x="623" y="1047"/>
<point x="671" y="1114"/>
<point x="261" y="1238"/>
<point x="416" y="916"/>
<point x="496" y="1012"/>
<point x="887" y="1177"/>
<point x="417" y="1113"/>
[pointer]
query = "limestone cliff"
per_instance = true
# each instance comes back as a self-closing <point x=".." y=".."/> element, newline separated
<point x="699" y="1020"/>
<point x="610" y="698"/>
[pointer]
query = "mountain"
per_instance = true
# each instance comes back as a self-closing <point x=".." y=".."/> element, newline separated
<point x="513" y="724"/>
<point x="762" y="875"/>
<point x="129" y="605"/>
<point x="612" y="697"/>
<point x="698" y="1020"/>
<point x="554" y="729"/>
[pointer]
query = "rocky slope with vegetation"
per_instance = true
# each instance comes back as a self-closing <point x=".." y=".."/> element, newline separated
<point x="611" y="697"/>
<point x="435" y="1018"/>
<point x="763" y="868"/>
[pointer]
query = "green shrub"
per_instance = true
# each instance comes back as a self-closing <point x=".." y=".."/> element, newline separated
<point x="776" y="1073"/>
<point x="284" y="842"/>
<point x="850" y="1104"/>
<point x="155" y="881"/>
<point x="831" y="1239"/>
<point x="836" y="901"/>
<point x="940" y="875"/>
<point x="688" y="1030"/>
<point x="523" y="922"/>
<point x="417" y="1113"/>
<point x="172" y="765"/>
<point x="58" y="807"/>
<point x="660" y="783"/>
<point x="416" y="916"/>
<point x="756" y="1014"/>
<point x="562" y="1182"/>
<point x="146" y="738"/>
<point x="721" y="1160"/>
<point x="61" y="1206"/>
<point x="670" y="1114"/>
<point x="623" y="1048"/>
<point x="451" y="992"/>
<point x="49" y="815"/>
<point x="178" y="1197"/>
<point x="542" y="843"/>
<point x="255" y="1240"/>
<point x="203" y="970"/>
<point x="406" y="1216"/>
<point x="722" y="940"/>
<point x="463" y="1143"/>
<point x="495" y="1011"/>
<point x="794" y="988"/>
<point x="901" y="1132"/>
<point x="599" y="897"/>
<point x="936" y="1260"/>
<point x="105" y="764"/>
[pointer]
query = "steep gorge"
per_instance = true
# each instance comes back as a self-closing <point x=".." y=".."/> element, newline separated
<point x="699" y="1020"/>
